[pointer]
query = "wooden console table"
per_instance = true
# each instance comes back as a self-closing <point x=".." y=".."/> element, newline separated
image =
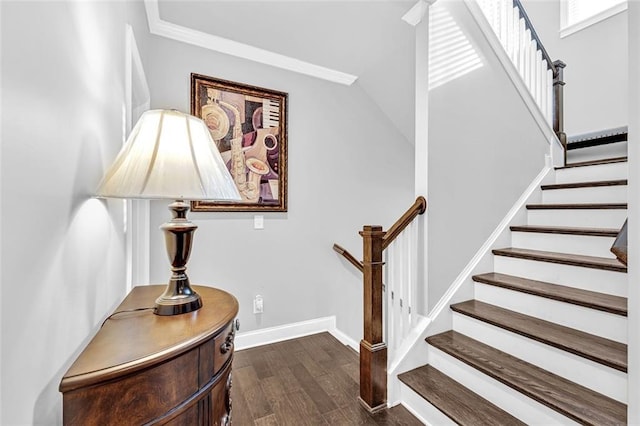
<point x="142" y="368"/>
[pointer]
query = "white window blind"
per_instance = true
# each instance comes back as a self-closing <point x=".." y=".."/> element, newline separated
<point x="581" y="10"/>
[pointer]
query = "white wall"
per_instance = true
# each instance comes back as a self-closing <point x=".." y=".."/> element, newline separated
<point x="348" y="166"/>
<point x="633" y="298"/>
<point x="62" y="252"/>
<point x="484" y="150"/>
<point x="366" y="39"/>
<point x="596" y="74"/>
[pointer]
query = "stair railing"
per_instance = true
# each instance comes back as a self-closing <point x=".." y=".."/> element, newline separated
<point x="401" y="288"/>
<point x="542" y="76"/>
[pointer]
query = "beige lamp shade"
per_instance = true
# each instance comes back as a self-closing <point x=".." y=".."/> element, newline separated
<point x="169" y="155"/>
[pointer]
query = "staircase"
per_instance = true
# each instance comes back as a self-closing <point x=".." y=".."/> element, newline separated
<point x="544" y="339"/>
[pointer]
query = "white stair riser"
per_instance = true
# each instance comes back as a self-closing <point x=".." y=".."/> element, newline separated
<point x="592" y="321"/>
<point x="586" y="218"/>
<point x="597" y="194"/>
<point x="563" y="243"/>
<point x="600" y="378"/>
<point x="598" y="172"/>
<point x="601" y="152"/>
<point x="510" y="400"/>
<point x="423" y="409"/>
<point x="601" y="281"/>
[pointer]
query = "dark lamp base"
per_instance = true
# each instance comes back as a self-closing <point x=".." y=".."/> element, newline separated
<point x="178" y="305"/>
<point x="179" y="297"/>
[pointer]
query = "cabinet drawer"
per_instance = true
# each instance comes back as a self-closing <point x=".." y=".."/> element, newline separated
<point x="145" y="368"/>
<point x="134" y="399"/>
<point x="215" y="352"/>
<point x="223" y="347"/>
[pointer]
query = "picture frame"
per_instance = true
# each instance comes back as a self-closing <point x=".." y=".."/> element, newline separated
<point x="249" y="126"/>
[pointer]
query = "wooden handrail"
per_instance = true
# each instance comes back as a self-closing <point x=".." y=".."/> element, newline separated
<point x="373" y="350"/>
<point x="556" y="68"/>
<point x="419" y="207"/>
<point x="355" y="262"/>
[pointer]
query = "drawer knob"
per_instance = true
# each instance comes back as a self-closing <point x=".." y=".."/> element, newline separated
<point x="228" y="343"/>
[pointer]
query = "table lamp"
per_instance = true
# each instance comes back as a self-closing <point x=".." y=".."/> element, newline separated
<point x="170" y="155"/>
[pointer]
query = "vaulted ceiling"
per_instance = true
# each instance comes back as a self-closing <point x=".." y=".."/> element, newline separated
<point x="363" y="41"/>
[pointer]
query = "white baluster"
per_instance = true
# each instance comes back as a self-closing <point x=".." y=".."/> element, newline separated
<point x="515" y="37"/>
<point x="413" y="232"/>
<point x="538" y="81"/>
<point x="388" y="285"/>
<point x="522" y="29"/>
<point x="527" y="59"/>
<point x="544" y="88"/>
<point x="550" y="96"/>
<point x="397" y="267"/>
<point x="495" y="18"/>
<point x="397" y="293"/>
<point x="532" y="67"/>
<point x="385" y="300"/>
<point x="515" y="19"/>
<point x="510" y="36"/>
<point x="406" y="282"/>
<point x="400" y="287"/>
<point x="504" y="24"/>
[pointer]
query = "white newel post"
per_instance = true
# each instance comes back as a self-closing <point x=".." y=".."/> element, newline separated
<point x="418" y="17"/>
<point x="633" y="355"/>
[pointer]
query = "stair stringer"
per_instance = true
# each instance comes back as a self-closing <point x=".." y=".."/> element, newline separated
<point x="413" y="351"/>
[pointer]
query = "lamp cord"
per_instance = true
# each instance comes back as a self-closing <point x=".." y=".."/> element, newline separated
<point x="123" y="312"/>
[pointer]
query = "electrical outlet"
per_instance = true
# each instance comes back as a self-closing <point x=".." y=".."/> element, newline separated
<point x="258" y="305"/>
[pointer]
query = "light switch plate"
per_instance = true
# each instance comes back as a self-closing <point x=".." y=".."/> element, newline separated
<point x="258" y="221"/>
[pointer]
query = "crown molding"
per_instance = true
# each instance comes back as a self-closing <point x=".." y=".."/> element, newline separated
<point x="172" y="31"/>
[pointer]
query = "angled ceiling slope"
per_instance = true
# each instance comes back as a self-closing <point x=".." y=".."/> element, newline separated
<point x="205" y="40"/>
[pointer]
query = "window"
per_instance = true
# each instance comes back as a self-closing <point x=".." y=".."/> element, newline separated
<point x="576" y="15"/>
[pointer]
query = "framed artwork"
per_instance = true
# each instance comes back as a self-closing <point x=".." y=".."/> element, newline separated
<point x="249" y="126"/>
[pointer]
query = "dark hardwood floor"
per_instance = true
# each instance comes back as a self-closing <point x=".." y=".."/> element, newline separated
<point x="311" y="380"/>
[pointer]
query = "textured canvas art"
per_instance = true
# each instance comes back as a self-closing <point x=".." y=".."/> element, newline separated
<point x="249" y="126"/>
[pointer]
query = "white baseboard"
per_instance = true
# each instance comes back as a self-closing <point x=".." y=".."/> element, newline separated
<point x="344" y="339"/>
<point x="265" y="336"/>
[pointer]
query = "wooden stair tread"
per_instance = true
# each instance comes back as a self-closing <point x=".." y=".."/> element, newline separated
<point x="593" y="163"/>
<point x="598" y="349"/>
<point x="563" y="258"/>
<point x="570" y="399"/>
<point x="578" y="206"/>
<point x="573" y="185"/>
<point x="456" y="401"/>
<point x="590" y="299"/>
<point x="567" y="230"/>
